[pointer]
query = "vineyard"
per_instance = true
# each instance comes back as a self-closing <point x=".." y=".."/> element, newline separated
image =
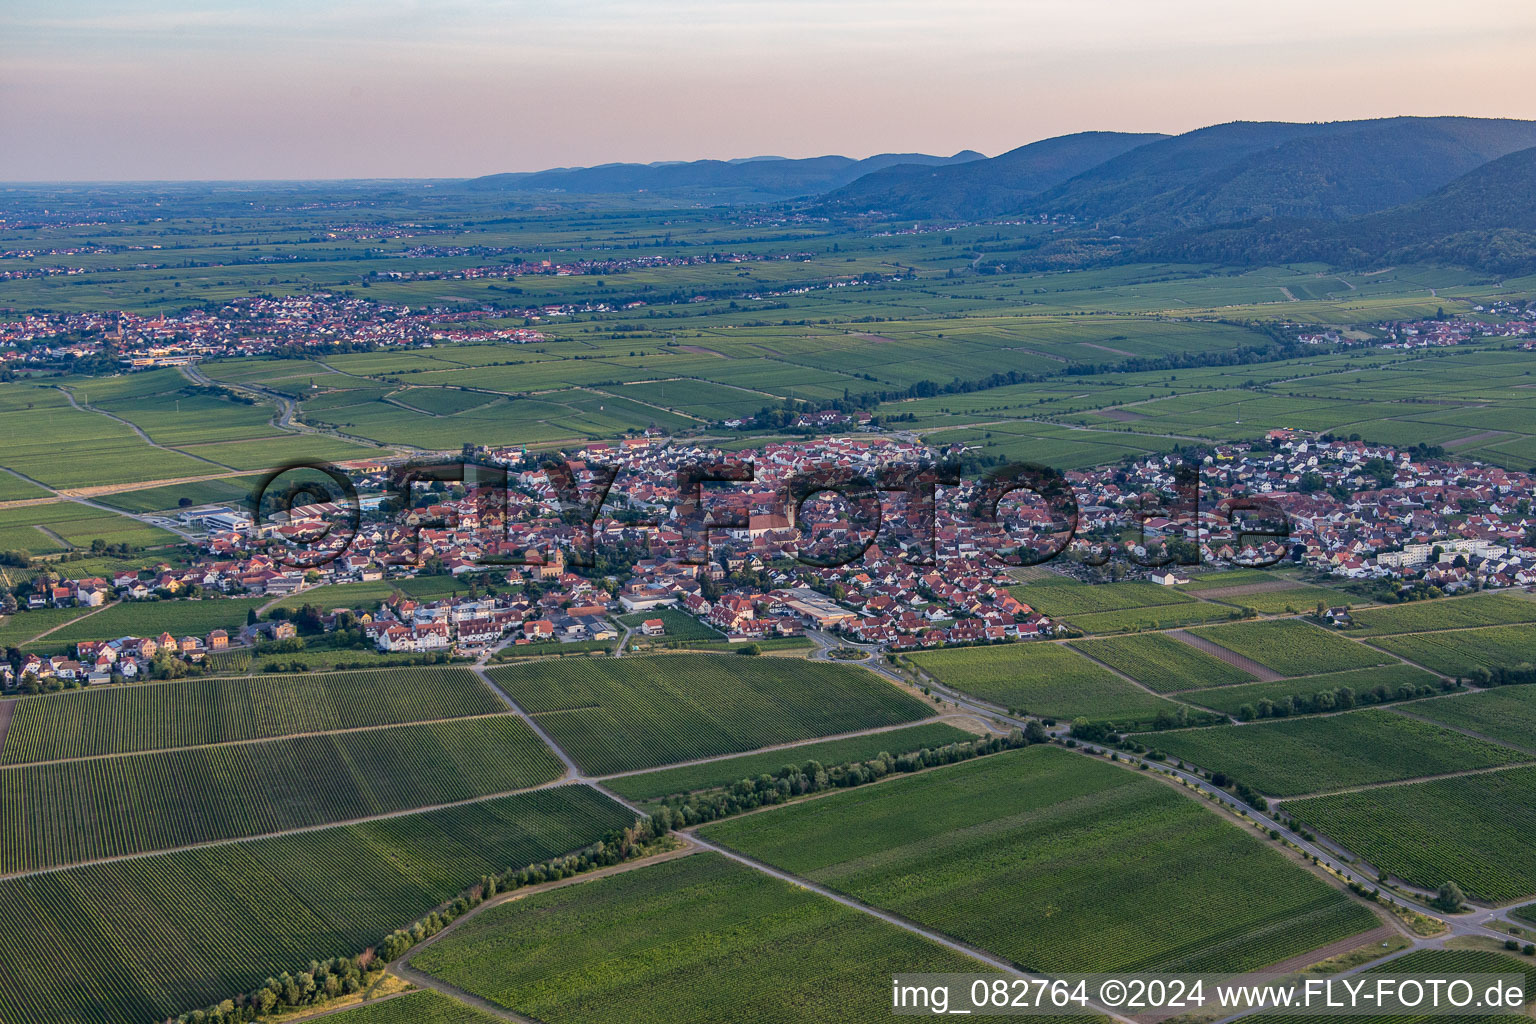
<point x="1162" y="663"/>
<point x="1128" y="620"/>
<point x="1427" y="963"/>
<point x="1044" y="679"/>
<point x="1058" y="596"/>
<point x="72" y="811"/>
<point x="424" y="1007"/>
<point x="652" y="785"/>
<point x="1461" y="651"/>
<point x="700" y="939"/>
<point x="144" y="939"/>
<point x="1508" y="714"/>
<point x="1296" y="600"/>
<point x="151" y="618"/>
<point x="1364" y="681"/>
<point x="1450" y="613"/>
<point x="157" y="716"/>
<point x="1312" y="755"/>
<point x="1292" y="647"/>
<point x="1468" y="830"/>
<point x="1057" y="862"/>
<point x="620" y="714"/>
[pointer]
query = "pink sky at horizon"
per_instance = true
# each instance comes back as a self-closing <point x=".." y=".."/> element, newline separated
<point x="165" y="89"/>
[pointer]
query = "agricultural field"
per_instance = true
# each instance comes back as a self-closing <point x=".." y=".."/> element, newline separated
<point x="1162" y="663"/>
<point x="1507" y="714"/>
<point x="1297" y="600"/>
<point x="1130" y="620"/>
<point x="1045" y="679"/>
<point x="1462" y="830"/>
<point x="196" y="712"/>
<point x="620" y="714"/>
<point x="1225" y="578"/>
<point x="680" y="627"/>
<point x="700" y="939"/>
<point x="17" y="629"/>
<point x="1446" y="613"/>
<point x="1427" y="963"/>
<point x="423" y="1007"/>
<point x="1366" y="682"/>
<point x="1060" y="597"/>
<point x="1460" y="652"/>
<point x="151" y="618"/>
<point x="1056" y="861"/>
<point x="234" y="491"/>
<point x="70" y="812"/>
<point x="151" y="937"/>
<point x="64" y="525"/>
<point x="1312" y="755"/>
<point x="1292" y="647"/>
<point x="715" y="774"/>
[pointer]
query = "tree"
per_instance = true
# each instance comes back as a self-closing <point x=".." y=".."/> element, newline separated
<point x="1450" y="898"/>
<point x="250" y="617"/>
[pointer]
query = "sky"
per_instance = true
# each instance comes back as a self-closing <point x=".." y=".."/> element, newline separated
<point x="302" y="89"/>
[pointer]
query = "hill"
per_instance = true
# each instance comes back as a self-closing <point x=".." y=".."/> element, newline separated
<point x="1245" y="170"/>
<point x="981" y="188"/>
<point x="1481" y="220"/>
<point x="769" y="177"/>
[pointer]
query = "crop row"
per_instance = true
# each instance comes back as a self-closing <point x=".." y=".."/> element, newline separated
<point x="68" y="812"/>
<point x="620" y="714"/>
<point x="150" y="937"/>
<point x="700" y="939"/>
<point x="198" y="711"/>
<point x="1057" y="862"/>
<point x="1292" y="647"/>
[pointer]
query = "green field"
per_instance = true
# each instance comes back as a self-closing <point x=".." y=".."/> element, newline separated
<point x="423" y="1007"/>
<point x="151" y="618"/>
<point x="1043" y="679"/>
<point x="1292" y="647"/>
<point x="1507" y="714"/>
<point x="1130" y="620"/>
<point x="1463" y="830"/>
<point x="680" y="627"/>
<point x="60" y="526"/>
<point x="234" y="491"/>
<point x="23" y="626"/>
<point x="701" y="939"/>
<point x="1448" y="613"/>
<point x="1313" y="755"/>
<point x="1366" y="682"/>
<point x="193" y="712"/>
<point x="1163" y="663"/>
<point x="148" y="938"/>
<point x="1297" y="600"/>
<point x="69" y="812"/>
<point x="620" y="714"/>
<point x="1427" y="963"/>
<point x="1461" y="652"/>
<point x="652" y="785"/>
<point x="1057" y="862"/>
<point x="1060" y="597"/>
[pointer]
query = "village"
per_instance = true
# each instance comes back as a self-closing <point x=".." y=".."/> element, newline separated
<point x="1356" y="513"/>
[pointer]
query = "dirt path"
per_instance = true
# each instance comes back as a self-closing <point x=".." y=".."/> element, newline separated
<point x="1253" y="668"/>
<point x="1106" y="348"/>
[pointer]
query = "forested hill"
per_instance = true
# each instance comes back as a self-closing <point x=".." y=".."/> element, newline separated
<point x="764" y="177"/>
<point x="982" y="188"/>
<point x="1485" y="219"/>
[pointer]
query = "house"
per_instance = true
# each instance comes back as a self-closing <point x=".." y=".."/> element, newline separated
<point x="1169" y="578"/>
<point x="217" y="640"/>
<point x="653" y="627"/>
